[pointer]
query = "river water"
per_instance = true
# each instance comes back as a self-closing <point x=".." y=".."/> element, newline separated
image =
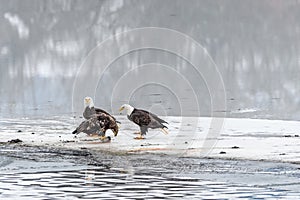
<point x="41" y="174"/>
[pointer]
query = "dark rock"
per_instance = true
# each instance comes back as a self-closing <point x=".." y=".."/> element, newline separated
<point x="235" y="147"/>
<point x="296" y="135"/>
<point x="19" y="131"/>
<point x="14" y="141"/>
<point x="68" y="141"/>
<point x="32" y="133"/>
<point x="222" y="152"/>
<point x="185" y="142"/>
<point x="287" y="136"/>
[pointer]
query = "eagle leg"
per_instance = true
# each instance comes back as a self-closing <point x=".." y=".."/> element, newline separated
<point x="102" y="138"/>
<point x="136" y="133"/>
<point x="141" y="133"/>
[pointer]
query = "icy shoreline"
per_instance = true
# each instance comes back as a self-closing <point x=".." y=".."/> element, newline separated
<point x="244" y="139"/>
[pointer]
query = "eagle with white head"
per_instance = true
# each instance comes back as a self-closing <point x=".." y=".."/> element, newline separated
<point x="144" y="119"/>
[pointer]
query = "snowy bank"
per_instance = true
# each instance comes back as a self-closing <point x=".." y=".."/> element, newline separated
<point x="253" y="139"/>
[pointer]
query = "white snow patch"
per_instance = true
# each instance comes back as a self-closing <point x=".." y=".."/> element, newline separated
<point x="246" y="110"/>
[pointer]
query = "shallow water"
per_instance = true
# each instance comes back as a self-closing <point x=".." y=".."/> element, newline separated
<point x="87" y="182"/>
<point x="94" y="183"/>
<point x="59" y="176"/>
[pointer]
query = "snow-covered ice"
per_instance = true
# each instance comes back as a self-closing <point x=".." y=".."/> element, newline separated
<point x="253" y="139"/>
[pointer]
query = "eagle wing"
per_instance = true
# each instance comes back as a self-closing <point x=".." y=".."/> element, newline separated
<point x="109" y="122"/>
<point x="140" y="117"/>
<point x="152" y="116"/>
<point x="100" y="111"/>
<point x="90" y="126"/>
<point x="157" y="118"/>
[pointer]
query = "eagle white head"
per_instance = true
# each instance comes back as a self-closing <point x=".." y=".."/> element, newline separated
<point x="129" y="109"/>
<point x="88" y="102"/>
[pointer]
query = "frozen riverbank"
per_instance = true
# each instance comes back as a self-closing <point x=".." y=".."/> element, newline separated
<point x="252" y="139"/>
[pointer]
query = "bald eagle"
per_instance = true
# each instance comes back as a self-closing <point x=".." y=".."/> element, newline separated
<point x="97" y="121"/>
<point x="144" y="119"/>
<point x="96" y="125"/>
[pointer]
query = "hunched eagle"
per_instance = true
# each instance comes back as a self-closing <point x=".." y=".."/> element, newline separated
<point x="144" y="119"/>
<point x="97" y="120"/>
<point x="95" y="126"/>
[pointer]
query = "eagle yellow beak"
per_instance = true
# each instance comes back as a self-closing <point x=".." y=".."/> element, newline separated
<point x="122" y="108"/>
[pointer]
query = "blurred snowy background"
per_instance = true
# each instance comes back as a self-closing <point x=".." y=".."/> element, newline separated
<point x="255" y="44"/>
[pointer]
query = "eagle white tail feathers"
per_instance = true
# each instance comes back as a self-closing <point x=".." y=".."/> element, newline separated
<point x="165" y="131"/>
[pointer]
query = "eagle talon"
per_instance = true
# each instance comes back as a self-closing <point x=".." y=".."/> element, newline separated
<point x="105" y="139"/>
<point x="139" y="138"/>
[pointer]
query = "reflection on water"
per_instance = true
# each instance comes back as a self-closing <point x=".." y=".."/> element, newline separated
<point x="87" y="182"/>
<point x="255" y="45"/>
